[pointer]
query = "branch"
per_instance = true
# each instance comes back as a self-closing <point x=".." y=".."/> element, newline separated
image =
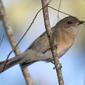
<point x="12" y="41"/>
<point x="49" y="35"/>
<point x="28" y="57"/>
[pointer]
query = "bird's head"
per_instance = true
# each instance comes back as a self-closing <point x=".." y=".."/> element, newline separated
<point x="70" y="24"/>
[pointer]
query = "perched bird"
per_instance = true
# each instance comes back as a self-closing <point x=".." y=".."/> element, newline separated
<point x="63" y="36"/>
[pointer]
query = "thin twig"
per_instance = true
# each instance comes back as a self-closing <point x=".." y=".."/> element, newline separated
<point x="59" y="11"/>
<point x="12" y="41"/>
<point x="49" y="35"/>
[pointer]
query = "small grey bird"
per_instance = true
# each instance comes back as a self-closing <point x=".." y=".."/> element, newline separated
<point x="63" y="36"/>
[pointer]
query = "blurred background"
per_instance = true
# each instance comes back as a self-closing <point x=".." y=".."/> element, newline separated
<point x="20" y="14"/>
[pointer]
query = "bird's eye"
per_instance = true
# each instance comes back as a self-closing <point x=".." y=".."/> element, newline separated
<point x="69" y="22"/>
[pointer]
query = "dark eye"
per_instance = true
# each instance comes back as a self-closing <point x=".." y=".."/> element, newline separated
<point x="69" y="22"/>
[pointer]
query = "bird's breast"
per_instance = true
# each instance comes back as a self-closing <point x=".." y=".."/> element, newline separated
<point x="64" y="42"/>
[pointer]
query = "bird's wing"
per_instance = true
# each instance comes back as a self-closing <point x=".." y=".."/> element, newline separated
<point x="41" y="44"/>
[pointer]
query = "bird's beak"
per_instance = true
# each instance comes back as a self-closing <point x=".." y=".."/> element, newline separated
<point x="81" y="22"/>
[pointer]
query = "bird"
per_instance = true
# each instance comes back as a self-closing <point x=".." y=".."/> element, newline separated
<point x="64" y="34"/>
